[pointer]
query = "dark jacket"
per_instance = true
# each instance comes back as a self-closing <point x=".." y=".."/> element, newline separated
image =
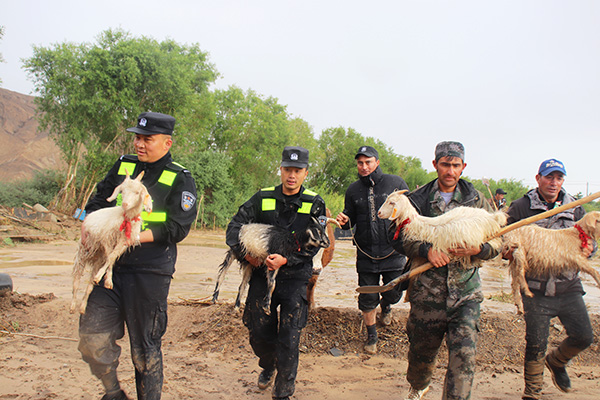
<point x="532" y="204"/>
<point x="372" y="235"/>
<point x="284" y="214"/>
<point x="462" y="282"/>
<point x="173" y="198"/>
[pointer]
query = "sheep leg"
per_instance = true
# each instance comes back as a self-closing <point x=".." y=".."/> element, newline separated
<point x="221" y="276"/>
<point x="246" y="274"/>
<point x="310" y="290"/>
<point x="517" y="270"/>
<point x="78" y="269"/>
<point x="107" y="268"/>
<point x="588" y="269"/>
<point x="271" y="276"/>
<point x="86" y="296"/>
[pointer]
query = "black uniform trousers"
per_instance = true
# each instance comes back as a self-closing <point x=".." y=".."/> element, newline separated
<point x="138" y="300"/>
<point x="275" y="338"/>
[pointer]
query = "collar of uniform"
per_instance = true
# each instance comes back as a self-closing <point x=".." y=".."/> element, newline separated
<point x="164" y="160"/>
<point x="294" y="198"/>
<point x="373" y="178"/>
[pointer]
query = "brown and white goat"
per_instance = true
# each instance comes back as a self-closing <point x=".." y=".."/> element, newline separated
<point x="321" y="260"/>
<point x="541" y="253"/>
<point x="459" y="227"/>
<point x="107" y="233"/>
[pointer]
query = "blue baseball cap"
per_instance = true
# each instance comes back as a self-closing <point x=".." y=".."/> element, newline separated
<point x="551" y="165"/>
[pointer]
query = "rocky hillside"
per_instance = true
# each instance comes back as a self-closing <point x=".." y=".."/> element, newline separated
<point x="23" y="149"/>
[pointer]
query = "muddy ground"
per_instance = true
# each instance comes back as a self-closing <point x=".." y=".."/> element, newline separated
<point x="206" y="350"/>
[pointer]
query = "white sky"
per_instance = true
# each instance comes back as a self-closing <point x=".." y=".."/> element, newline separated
<point x="515" y="81"/>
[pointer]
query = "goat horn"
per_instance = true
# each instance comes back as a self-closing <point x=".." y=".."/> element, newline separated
<point x="334" y="221"/>
<point x="139" y="177"/>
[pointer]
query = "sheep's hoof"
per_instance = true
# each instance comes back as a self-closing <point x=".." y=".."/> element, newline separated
<point x="108" y="284"/>
<point x="528" y="293"/>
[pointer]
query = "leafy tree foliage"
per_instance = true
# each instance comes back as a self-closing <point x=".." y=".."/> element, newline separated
<point x="40" y="189"/>
<point x="252" y="130"/>
<point x="88" y="94"/>
<point x="213" y="184"/>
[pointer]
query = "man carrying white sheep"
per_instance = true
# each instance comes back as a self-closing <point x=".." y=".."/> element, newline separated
<point x="560" y="296"/>
<point x="142" y="275"/>
<point x="446" y="299"/>
<point x="276" y="340"/>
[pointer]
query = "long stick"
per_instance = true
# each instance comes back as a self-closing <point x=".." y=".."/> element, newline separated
<point x="422" y="268"/>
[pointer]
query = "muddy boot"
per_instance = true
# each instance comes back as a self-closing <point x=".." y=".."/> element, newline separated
<point x="534" y="378"/>
<point x="386" y="314"/>
<point x="556" y="362"/>
<point x="372" y="339"/>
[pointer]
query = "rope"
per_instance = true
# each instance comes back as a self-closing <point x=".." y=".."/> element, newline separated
<point x="364" y="252"/>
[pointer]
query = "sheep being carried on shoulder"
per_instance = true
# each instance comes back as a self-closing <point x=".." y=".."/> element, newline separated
<point x="459" y="227"/>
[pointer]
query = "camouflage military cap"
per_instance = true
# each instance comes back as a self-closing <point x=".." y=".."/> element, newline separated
<point x="449" y="149"/>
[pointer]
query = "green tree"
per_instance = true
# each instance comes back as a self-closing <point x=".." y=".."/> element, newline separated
<point x="214" y="185"/>
<point x="88" y="94"/>
<point x="252" y="130"/>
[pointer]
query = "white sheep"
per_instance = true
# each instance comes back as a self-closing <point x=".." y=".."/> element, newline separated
<point x="260" y="240"/>
<point x="459" y="227"/>
<point x="540" y="253"/>
<point x="107" y="233"/>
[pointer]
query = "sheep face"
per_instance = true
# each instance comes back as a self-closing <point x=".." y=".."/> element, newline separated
<point x="316" y="234"/>
<point x="132" y="191"/>
<point x="590" y="223"/>
<point x="396" y="206"/>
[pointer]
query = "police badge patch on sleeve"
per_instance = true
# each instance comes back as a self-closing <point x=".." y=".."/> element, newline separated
<point x="187" y="201"/>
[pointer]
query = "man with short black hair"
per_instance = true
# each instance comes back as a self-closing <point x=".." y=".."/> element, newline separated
<point x="275" y="340"/>
<point x="498" y="201"/>
<point x="376" y="260"/>
<point x="143" y="274"/>
<point x="559" y="295"/>
<point x="445" y="301"/>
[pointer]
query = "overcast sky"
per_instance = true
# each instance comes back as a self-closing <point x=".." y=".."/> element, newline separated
<point x="516" y="82"/>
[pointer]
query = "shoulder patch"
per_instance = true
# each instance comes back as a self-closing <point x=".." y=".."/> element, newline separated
<point x="187" y="200"/>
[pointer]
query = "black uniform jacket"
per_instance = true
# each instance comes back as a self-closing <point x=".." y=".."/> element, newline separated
<point x="177" y="201"/>
<point x="285" y="214"/>
<point x="372" y="235"/>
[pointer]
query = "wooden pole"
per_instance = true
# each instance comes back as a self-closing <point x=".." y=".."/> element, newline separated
<point x="422" y="268"/>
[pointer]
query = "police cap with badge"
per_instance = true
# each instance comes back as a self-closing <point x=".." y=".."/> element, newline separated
<point x="153" y="123"/>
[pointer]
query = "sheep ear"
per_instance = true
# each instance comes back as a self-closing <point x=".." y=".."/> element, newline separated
<point x="115" y="194"/>
<point x="147" y="202"/>
<point x="139" y="177"/>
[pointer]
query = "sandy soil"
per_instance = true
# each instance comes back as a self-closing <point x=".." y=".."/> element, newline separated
<point x="206" y="350"/>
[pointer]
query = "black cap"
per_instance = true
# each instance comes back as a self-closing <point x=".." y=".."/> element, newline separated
<point x="500" y="191"/>
<point x="294" y="156"/>
<point x="153" y="123"/>
<point x="367" y="151"/>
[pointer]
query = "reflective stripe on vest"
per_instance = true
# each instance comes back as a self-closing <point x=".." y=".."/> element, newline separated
<point x="126" y="165"/>
<point x="305" y="209"/>
<point x="268" y="204"/>
<point x="166" y="178"/>
<point x="154" y="216"/>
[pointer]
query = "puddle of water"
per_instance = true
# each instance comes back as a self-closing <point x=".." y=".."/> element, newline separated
<point x="32" y="263"/>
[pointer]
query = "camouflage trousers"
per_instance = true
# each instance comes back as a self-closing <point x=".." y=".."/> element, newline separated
<point x="427" y="324"/>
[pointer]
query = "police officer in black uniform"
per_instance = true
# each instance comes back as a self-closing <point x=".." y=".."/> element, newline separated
<point x="142" y="275"/>
<point x="288" y="205"/>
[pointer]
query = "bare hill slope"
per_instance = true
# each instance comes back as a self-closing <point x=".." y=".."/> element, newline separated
<point x="23" y="150"/>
